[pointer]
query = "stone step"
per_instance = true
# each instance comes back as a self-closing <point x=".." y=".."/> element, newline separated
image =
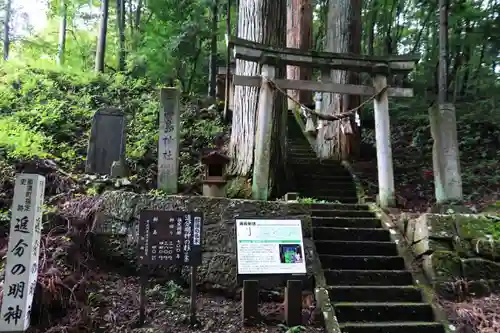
<point x="299" y="143"/>
<point x="345" y="277"/>
<point x="301" y="159"/>
<point x="315" y="175"/>
<point x="341" y="181"/>
<point x="346" y="222"/>
<point x="351" y="234"/>
<point x="393" y="327"/>
<point x="315" y="180"/>
<point x="292" y="156"/>
<point x="356" y="248"/>
<point x="334" y="199"/>
<point x="383" y="312"/>
<point x="320" y="209"/>
<point x="375" y="294"/>
<point x="332" y="191"/>
<point x="300" y="149"/>
<point x="343" y="211"/>
<point x="323" y="168"/>
<point x="362" y="262"/>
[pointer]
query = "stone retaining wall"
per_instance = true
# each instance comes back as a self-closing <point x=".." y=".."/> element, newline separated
<point x="458" y="253"/>
<point x="119" y="216"/>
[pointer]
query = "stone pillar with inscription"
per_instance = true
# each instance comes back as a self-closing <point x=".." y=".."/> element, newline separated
<point x="23" y="251"/>
<point x="168" y="145"/>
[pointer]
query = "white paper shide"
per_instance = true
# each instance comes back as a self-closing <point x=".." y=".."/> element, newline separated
<point x="270" y="246"/>
<point x="23" y="251"/>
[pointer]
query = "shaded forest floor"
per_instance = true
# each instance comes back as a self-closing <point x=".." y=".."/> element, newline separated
<point x="412" y="159"/>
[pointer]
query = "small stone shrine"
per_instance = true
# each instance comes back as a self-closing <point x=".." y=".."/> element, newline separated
<point x="214" y="180"/>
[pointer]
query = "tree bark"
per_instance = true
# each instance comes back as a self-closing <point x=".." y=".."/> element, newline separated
<point x="299" y="35"/>
<point x="62" y="33"/>
<point x="101" y="42"/>
<point x="212" y="84"/>
<point x="261" y="21"/>
<point x="6" y="30"/>
<point x="340" y="139"/>
<point x="120" y="20"/>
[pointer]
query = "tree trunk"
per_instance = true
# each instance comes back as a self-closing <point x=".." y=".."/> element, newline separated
<point x="101" y="42"/>
<point x="6" y="30"/>
<point x="62" y="33"/>
<point x="371" y="31"/>
<point x="340" y="139"/>
<point x="261" y="21"/>
<point x="212" y="84"/>
<point x="299" y="35"/>
<point x="138" y="12"/>
<point x="120" y="20"/>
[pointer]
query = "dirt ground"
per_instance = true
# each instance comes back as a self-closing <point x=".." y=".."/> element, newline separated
<point x="114" y="307"/>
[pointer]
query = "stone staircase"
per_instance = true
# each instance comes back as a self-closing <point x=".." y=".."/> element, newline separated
<point x="369" y="287"/>
<point x="314" y="178"/>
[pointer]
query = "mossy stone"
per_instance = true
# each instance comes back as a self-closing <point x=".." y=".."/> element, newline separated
<point x="472" y="226"/>
<point x="442" y="266"/>
<point x="480" y="269"/>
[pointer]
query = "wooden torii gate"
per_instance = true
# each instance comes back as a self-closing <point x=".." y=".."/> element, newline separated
<point x="379" y="67"/>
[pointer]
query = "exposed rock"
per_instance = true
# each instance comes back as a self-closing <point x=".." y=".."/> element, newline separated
<point x="480" y="269"/>
<point x="119" y="215"/>
<point x="486" y="247"/>
<point x="458" y="251"/>
<point x="442" y="265"/>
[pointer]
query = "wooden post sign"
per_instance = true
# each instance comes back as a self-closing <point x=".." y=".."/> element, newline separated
<point x="169" y="238"/>
<point x="21" y="270"/>
<point x="270" y="247"/>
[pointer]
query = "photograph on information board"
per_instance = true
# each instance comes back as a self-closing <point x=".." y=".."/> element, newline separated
<point x="270" y="247"/>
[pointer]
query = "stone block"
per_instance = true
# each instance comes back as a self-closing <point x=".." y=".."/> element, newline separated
<point x="480" y="269"/>
<point x="118" y="215"/>
<point x="486" y="248"/>
<point x="442" y="266"/>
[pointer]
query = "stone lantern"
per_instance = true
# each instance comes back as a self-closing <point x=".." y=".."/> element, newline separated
<point x="214" y="179"/>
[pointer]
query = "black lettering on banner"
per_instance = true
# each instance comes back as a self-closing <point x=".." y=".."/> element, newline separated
<point x="13" y="314"/>
<point x="18" y="269"/>
<point x="18" y="249"/>
<point x="20" y="208"/>
<point x="21" y="224"/>
<point x="23" y="181"/>
<point x="34" y="268"/>
<point x="16" y="290"/>
<point x="30" y="182"/>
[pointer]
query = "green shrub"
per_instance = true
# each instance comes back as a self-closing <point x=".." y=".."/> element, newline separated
<point x="17" y="140"/>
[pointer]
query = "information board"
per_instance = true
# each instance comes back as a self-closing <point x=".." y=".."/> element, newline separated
<point x="270" y="247"/>
<point x="170" y="238"/>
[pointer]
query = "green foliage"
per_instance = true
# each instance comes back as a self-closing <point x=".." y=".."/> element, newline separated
<point x="17" y="140"/>
<point x="294" y="329"/>
<point x="47" y="112"/>
<point x="169" y="293"/>
<point x="311" y="200"/>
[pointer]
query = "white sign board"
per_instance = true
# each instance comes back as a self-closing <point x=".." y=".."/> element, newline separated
<point x="21" y="270"/>
<point x="270" y="247"/>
